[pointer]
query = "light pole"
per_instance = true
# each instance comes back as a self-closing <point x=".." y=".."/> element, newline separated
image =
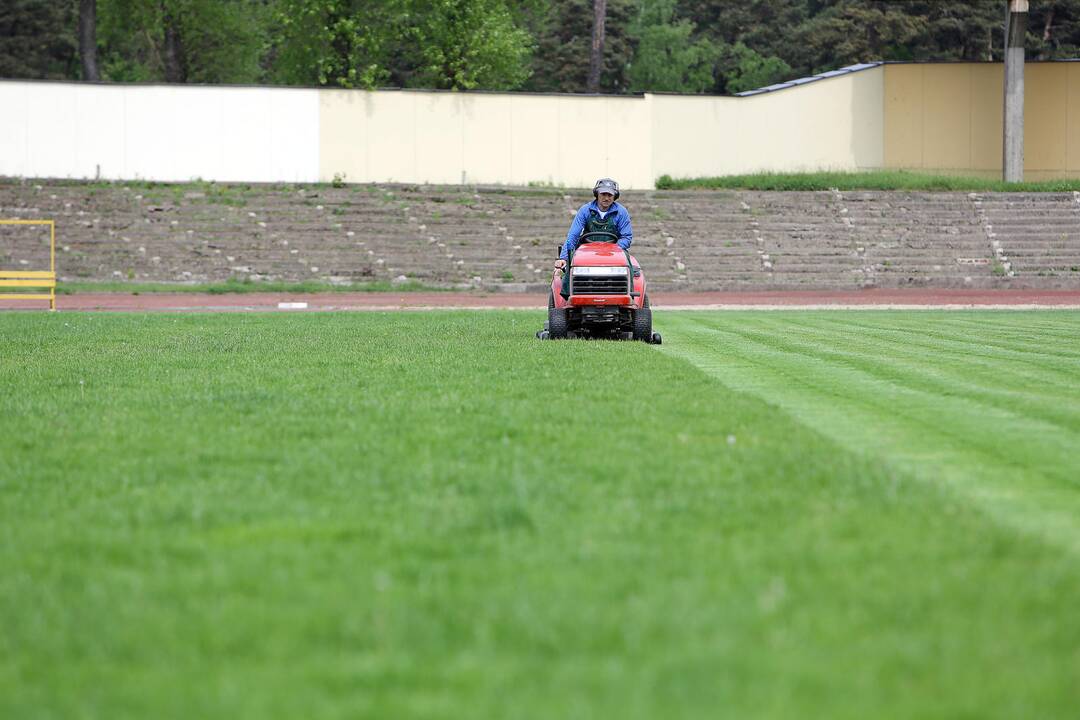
<point x="1013" y="146"/>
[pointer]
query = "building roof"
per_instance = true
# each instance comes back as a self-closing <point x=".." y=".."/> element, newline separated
<point x="813" y="78"/>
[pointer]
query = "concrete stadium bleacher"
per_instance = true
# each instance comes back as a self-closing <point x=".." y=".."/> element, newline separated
<point x="505" y="238"/>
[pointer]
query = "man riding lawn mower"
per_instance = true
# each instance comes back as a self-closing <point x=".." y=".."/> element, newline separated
<point x="598" y="289"/>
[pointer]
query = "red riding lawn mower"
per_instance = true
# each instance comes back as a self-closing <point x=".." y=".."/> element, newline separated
<point x="607" y="295"/>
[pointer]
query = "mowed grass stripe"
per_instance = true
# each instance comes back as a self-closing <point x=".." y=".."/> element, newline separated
<point x="434" y="514"/>
<point x="930" y="373"/>
<point x="1019" y="469"/>
<point x="974" y="342"/>
<point x="1050" y="327"/>
<point x="1035" y="372"/>
<point x="993" y="333"/>
<point x="1003" y="342"/>
<point x="940" y="374"/>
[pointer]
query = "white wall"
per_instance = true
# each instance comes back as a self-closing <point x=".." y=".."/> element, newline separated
<point x="177" y="133"/>
<point x="169" y="133"/>
<point x="446" y="137"/>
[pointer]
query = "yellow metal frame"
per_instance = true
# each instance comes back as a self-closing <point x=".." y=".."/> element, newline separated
<point x="33" y="278"/>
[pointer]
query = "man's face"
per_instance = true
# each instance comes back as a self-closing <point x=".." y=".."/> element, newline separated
<point x="604" y="200"/>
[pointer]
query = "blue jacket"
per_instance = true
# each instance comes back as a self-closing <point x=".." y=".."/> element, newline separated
<point x="622" y="223"/>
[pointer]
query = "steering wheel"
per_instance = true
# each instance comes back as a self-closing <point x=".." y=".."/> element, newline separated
<point x="599" y="236"/>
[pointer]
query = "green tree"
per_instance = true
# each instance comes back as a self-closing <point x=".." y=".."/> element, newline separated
<point x="449" y="44"/>
<point x="854" y="31"/>
<point x="469" y="44"/>
<point x="816" y="35"/>
<point x="754" y="38"/>
<point x="348" y="43"/>
<point x="1054" y="29"/>
<point x="763" y="24"/>
<point x="198" y="41"/>
<point x="38" y="39"/>
<point x="563" y="35"/>
<point x="668" y="57"/>
<point x="957" y="31"/>
<point x="745" y="69"/>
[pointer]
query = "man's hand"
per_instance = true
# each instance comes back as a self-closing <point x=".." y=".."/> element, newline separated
<point x="560" y="264"/>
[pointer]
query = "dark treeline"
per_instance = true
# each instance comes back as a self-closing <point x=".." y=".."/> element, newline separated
<point x="693" y="46"/>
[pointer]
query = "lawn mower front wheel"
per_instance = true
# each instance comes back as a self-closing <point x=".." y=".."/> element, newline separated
<point x="557" y="321"/>
<point x="643" y="322"/>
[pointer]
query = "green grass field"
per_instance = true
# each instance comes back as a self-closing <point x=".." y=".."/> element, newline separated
<point x="773" y="515"/>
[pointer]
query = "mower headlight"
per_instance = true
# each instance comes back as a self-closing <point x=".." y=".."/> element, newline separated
<point x="600" y="271"/>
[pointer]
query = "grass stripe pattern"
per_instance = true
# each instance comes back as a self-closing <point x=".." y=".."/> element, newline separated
<point x="988" y="403"/>
<point x="373" y="515"/>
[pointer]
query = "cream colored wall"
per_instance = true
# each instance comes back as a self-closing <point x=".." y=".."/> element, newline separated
<point x="441" y="137"/>
<point x="445" y="137"/>
<point x="1072" y="108"/>
<point x="987" y="119"/>
<point x="694" y="136"/>
<point x="1046" y="136"/>
<point x="828" y="124"/>
<point x="948" y="117"/>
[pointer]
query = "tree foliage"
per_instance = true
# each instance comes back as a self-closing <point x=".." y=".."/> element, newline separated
<point x="468" y="44"/>
<point x="214" y="41"/>
<point x="563" y="33"/>
<point x="694" y="46"/>
<point x="667" y="58"/>
<point x="447" y="44"/>
<point x="746" y="69"/>
<point x="1054" y="29"/>
<point x="347" y="43"/>
<point x="38" y="39"/>
<point x="853" y="31"/>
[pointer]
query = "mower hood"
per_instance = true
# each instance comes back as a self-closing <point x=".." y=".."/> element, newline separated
<point x="600" y="255"/>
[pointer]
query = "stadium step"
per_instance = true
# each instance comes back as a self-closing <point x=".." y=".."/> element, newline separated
<point x="453" y="235"/>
